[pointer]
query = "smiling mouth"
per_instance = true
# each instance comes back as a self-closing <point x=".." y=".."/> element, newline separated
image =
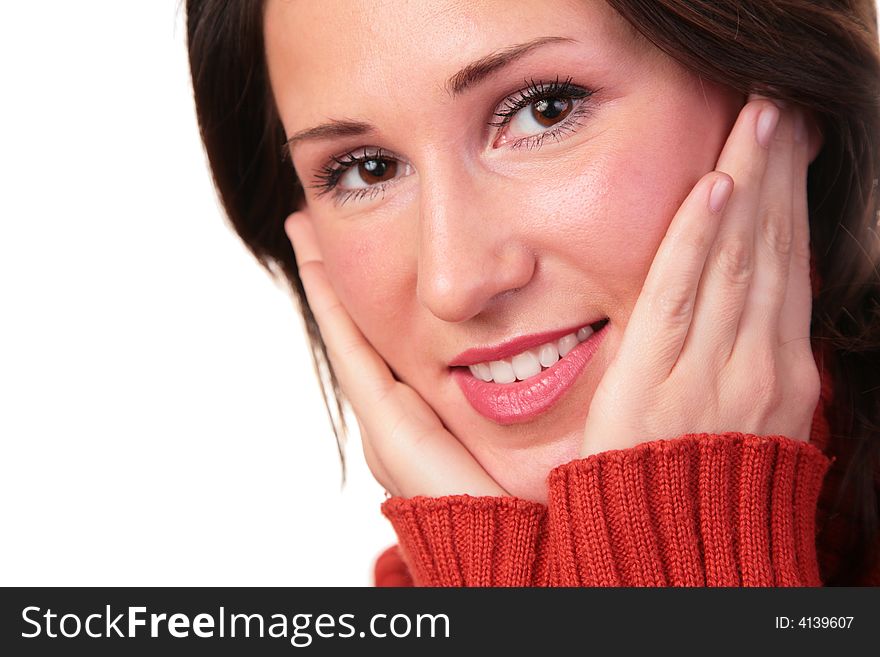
<point x="509" y="400"/>
<point x="531" y="362"/>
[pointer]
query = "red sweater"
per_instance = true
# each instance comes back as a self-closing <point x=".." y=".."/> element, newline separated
<point x="715" y="510"/>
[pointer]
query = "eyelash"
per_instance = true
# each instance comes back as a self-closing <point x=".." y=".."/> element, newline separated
<point x="537" y="91"/>
<point x="327" y="177"/>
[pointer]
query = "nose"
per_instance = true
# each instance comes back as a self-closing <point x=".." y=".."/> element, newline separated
<point x="469" y="255"/>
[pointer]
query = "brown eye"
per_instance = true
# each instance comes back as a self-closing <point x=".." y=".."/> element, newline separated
<point x="367" y="168"/>
<point x="550" y="111"/>
<point x="377" y="170"/>
<point x="542" y="110"/>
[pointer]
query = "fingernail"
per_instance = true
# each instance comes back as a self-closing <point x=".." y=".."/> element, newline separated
<point x="800" y="127"/>
<point x="767" y="123"/>
<point x="719" y="194"/>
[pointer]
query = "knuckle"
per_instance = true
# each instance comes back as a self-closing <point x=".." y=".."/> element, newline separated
<point x="675" y="304"/>
<point x="373" y="459"/>
<point x="775" y="230"/>
<point x="339" y="351"/>
<point x="806" y="381"/>
<point x="348" y="348"/>
<point x="310" y="269"/>
<point x="696" y="240"/>
<point x="733" y="258"/>
<point x="808" y="384"/>
<point x="380" y="392"/>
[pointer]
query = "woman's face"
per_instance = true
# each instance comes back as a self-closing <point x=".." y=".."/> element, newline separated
<point x="478" y="172"/>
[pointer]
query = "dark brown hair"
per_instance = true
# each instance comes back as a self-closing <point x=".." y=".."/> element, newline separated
<point x="818" y="54"/>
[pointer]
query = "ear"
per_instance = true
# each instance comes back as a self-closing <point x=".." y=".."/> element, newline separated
<point x="300" y="231"/>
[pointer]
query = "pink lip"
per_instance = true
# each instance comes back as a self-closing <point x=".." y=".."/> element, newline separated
<point x="510" y="403"/>
<point x="512" y="346"/>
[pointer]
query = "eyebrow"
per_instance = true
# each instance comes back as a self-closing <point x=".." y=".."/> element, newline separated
<point x="477" y="71"/>
<point x="330" y="130"/>
<point x="468" y="77"/>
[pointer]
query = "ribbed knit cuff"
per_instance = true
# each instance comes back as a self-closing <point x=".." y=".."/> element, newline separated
<point x="461" y="540"/>
<point x="700" y="510"/>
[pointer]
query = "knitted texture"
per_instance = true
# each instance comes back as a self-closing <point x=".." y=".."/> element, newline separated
<point x="461" y="540"/>
<point x="718" y="510"/>
<point x="700" y="510"/>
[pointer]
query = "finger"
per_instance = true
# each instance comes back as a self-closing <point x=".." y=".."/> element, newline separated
<point x="759" y="324"/>
<point x="662" y="315"/>
<point x="796" y="311"/>
<point x="724" y="287"/>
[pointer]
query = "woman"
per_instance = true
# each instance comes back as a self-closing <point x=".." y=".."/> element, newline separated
<point x="557" y="256"/>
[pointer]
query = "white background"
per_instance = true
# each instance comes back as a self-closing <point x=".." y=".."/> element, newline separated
<point x="160" y="423"/>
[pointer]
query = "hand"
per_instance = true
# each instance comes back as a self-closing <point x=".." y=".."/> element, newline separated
<point x="406" y="446"/>
<point x="719" y="339"/>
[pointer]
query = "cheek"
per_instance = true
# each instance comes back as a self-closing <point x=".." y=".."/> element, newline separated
<point x="616" y="207"/>
<point x="366" y="267"/>
<point x="646" y="188"/>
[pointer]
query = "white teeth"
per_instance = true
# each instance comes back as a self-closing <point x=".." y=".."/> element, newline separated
<point x="530" y="362"/>
<point x="502" y="371"/>
<point x="566" y="344"/>
<point x="481" y="371"/>
<point x="525" y="365"/>
<point x="548" y="354"/>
